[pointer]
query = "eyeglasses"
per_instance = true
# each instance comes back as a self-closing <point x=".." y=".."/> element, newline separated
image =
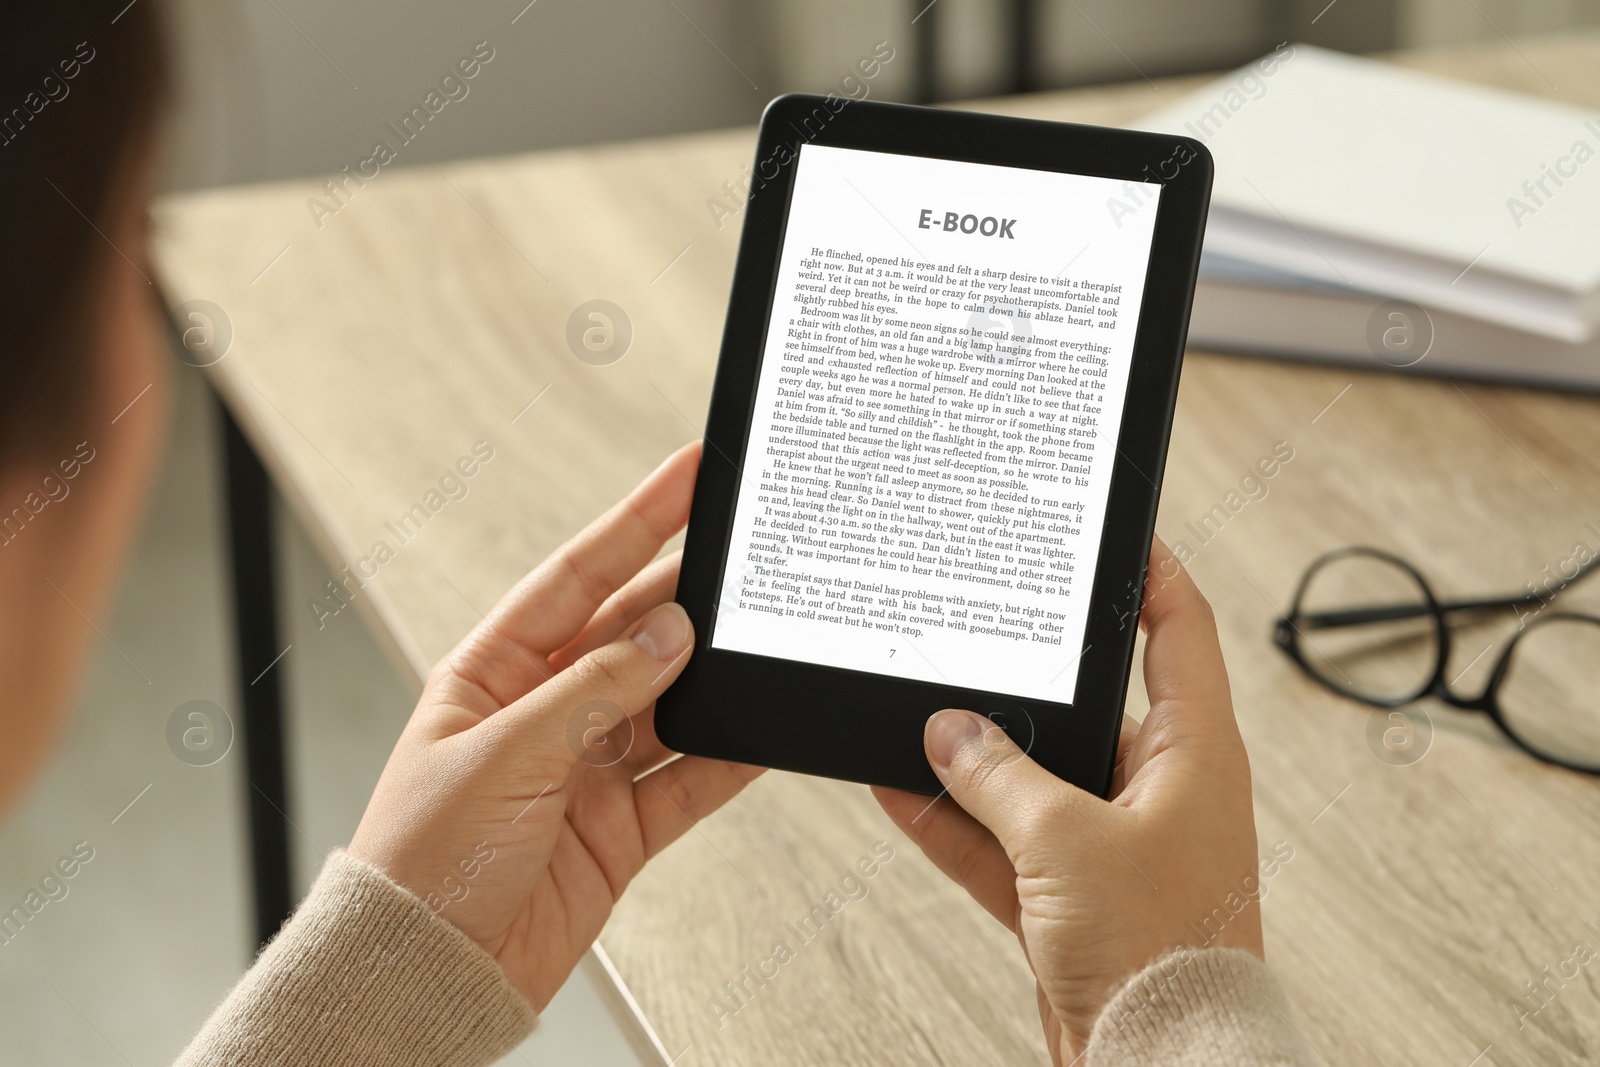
<point x="1367" y="625"/>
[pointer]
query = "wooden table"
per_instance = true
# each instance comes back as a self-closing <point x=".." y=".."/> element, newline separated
<point x="430" y="312"/>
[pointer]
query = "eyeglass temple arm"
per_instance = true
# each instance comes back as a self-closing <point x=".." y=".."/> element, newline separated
<point x="1360" y="616"/>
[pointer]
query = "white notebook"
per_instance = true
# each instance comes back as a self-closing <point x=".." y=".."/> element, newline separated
<point x="1366" y="175"/>
<point x="1244" y="308"/>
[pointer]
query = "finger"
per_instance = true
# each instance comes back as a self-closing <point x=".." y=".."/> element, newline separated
<point x="672" y="799"/>
<point x="656" y="584"/>
<point x="1127" y="733"/>
<point x="620" y="678"/>
<point x="1126" y="737"/>
<point x="1191" y="711"/>
<point x="507" y="653"/>
<point x="647" y="752"/>
<point x="642" y="749"/>
<point x="1182" y="656"/>
<point x="999" y="784"/>
<point x="960" y="846"/>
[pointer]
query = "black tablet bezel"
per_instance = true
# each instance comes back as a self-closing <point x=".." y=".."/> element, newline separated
<point x="865" y="727"/>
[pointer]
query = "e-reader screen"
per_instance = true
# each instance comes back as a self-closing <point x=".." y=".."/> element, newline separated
<point x="935" y="421"/>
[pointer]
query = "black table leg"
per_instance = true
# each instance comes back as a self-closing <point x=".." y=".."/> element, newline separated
<point x="1024" y="52"/>
<point x="925" y="30"/>
<point x="250" y="544"/>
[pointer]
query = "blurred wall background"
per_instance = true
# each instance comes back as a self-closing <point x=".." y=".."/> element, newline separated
<point x="279" y="88"/>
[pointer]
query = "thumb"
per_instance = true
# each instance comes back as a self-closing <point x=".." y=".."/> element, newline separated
<point x="996" y="782"/>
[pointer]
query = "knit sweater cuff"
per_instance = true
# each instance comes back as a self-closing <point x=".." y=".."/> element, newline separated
<point x="1199" y="1007"/>
<point x="365" y="975"/>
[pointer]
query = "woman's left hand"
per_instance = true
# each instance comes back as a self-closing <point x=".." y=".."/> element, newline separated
<point x="529" y="786"/>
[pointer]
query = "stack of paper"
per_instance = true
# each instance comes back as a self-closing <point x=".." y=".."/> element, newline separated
<point x="1367" y="213"/>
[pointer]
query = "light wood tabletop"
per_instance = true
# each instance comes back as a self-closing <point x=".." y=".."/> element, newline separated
<point x="430" y="313"/>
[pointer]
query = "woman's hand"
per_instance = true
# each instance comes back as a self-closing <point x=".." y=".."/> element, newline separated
<point x="1097" y="889"/>
<point x="513" y="803"/>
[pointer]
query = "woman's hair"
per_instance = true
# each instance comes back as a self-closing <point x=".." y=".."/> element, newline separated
<point x="81" y="85"/>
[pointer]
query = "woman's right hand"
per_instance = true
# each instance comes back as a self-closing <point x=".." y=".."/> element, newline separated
<point x="1097" y="889"/>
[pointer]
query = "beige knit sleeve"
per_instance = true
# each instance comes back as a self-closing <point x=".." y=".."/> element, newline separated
<point x="1199" y="1008"/>
<point x="365" y="975"/>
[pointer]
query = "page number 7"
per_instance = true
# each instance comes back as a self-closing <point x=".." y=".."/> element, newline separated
<point x="891" y="653"/>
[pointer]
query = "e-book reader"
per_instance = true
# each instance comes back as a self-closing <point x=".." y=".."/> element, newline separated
<point x="936" y="438"/>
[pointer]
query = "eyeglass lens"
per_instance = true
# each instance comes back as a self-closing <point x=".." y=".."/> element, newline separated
<point x="1548" y="695"/>
<point x="1388" y="655"/>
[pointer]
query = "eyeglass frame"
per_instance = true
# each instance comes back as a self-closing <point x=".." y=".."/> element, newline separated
<point x="1287" y="636"/>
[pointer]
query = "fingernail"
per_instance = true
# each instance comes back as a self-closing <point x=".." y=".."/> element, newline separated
<point x="664" y="633"/>
<point x="947" y="731"/>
